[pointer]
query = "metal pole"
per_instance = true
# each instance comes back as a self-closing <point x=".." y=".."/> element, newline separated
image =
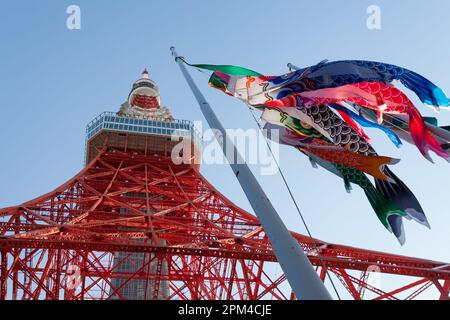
<point x="292" y="67"/>
<point x="301" y="275"/>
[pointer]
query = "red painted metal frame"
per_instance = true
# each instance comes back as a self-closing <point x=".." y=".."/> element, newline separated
<point x="145" y="102"/>
<point x="61" y="245"/>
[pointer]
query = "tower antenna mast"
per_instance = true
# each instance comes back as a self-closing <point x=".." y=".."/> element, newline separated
<point x="301" y="275"/>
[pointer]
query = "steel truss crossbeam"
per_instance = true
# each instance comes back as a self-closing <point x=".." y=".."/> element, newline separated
<point x="194" y="241"/>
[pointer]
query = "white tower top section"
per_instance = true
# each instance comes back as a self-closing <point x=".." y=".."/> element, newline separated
<point x="144" y="101"/>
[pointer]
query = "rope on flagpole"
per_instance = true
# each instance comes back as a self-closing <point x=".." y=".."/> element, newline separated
<point x="295" y="203"/>
<point x="313" y="241"/>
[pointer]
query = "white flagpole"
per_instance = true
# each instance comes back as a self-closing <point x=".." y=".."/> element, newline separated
<point x="301" y="275"/>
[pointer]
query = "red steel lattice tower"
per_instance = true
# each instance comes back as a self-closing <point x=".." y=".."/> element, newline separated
<point x="135" y="225"/>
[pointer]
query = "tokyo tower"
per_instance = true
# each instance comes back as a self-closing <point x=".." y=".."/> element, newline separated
<point x="132" y="224"/>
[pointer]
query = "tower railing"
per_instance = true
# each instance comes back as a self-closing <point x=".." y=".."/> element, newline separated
<point x="112" y="122"/>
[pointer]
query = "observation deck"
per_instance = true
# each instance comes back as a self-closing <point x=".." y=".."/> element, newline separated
<point x="145" y="136"/>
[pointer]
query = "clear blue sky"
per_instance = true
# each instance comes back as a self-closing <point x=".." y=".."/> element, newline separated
<point x="54" y="81"/>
